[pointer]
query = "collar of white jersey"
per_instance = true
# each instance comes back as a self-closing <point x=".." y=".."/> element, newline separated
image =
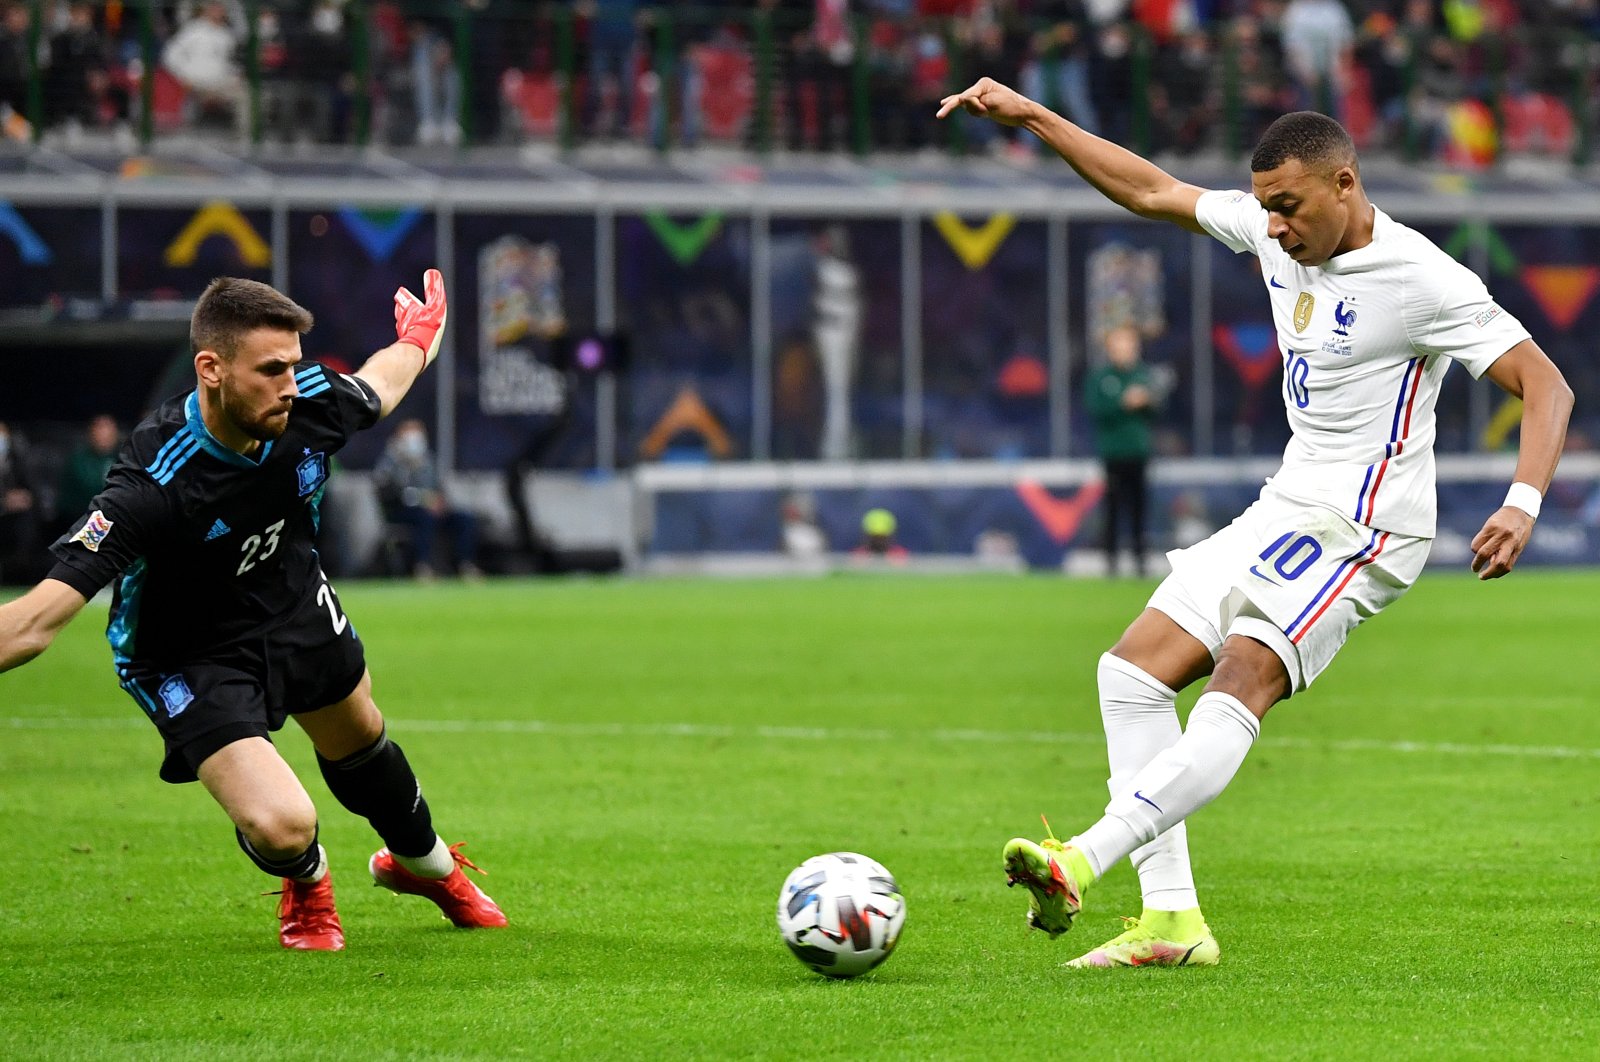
<point x="1364" y="257"/>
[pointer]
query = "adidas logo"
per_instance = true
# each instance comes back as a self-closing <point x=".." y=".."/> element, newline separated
<point x="218" y="529"/>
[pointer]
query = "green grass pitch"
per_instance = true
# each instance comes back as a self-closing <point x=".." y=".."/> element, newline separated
<point x="1405" y="867"/>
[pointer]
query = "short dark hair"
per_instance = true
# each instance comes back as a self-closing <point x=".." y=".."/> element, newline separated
<point x="1314" y="139"/>
<point x="231" y="308"/>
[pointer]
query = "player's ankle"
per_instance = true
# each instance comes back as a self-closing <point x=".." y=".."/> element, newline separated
<point x="437" y="863"/>
<point x="1079" y="864"/>
<point x="1174" y="925"/>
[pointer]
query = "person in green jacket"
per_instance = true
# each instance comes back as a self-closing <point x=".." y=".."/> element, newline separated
<point x="1122" y="406"/>
<point x="84" y="474"/>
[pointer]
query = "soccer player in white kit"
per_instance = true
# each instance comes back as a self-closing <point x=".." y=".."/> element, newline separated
<point x="1369" y="316"/>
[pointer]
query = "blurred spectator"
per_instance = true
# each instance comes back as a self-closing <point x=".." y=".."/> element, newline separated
<point x="492" y="27"/>
<point x="802" y="537"/>
<point x="318" y="71"/>
<point x="201" y="56"/>
<point x="1184" y="99"/>
<point x="1439" y="87"/>
<point x="877" y="538"/>
<point x="613" y="39"/>
<point x="76" y="79"/>
<point x="1111" y="82"/>
<point x="435" y="85"/>
<point x="14" y="64"/>
<point x="819" y="94"/>
<point x="411" y="495"/>
<point x="20" y="558"/>
<point x="1057" y="70"/>
<point x="1317" y="40"/>
<point x="1263" y="94"/>
<point x="84" y="473"/>
<point x="1122" y="405"/>
<point x="1383" y="55"/>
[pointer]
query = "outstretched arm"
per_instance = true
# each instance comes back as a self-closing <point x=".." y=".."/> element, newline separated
<point x="1526" y="372"/>
<point x="30" y="623"/>
<point x="1116" y="173"/>
<point x="419" y="324"/>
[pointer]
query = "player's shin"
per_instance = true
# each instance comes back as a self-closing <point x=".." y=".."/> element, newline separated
<point x="1176" y="783"/>
<point x="378" y="784"/>
<point x="1141" y="719"/>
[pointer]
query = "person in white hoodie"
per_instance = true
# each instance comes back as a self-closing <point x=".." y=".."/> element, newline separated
<point x="201" y="56"/>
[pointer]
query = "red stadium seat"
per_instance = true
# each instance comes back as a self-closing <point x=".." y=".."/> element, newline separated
<point x="728" y="97"/>
<point x="168" y="101"/>
<point x="1535" y="122"/>
<point x="536" y="99"/>
<point x="1360" y="115"/>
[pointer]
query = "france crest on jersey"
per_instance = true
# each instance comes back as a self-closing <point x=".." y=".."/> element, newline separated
<point x="312" y="472"/>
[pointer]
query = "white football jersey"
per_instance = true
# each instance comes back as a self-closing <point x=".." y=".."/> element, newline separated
<point x="1366" y="339"/>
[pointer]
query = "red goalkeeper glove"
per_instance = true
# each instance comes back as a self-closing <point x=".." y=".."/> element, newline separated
<point x="422" y="323"/>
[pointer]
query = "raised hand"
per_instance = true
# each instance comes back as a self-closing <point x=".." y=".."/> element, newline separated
<point x="990" y="99"/>
<point x="418" y="322"/>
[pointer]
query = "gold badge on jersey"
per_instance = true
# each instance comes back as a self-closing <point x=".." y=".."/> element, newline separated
<point x="1302" y="310"/>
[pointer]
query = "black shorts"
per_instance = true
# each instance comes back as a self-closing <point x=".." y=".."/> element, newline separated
<point x="309" y="661"/>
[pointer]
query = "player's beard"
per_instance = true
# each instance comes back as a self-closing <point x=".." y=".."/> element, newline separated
<point x="262" y="427"/>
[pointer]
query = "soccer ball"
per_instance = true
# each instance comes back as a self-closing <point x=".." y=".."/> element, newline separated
<point x="841" y="913"/>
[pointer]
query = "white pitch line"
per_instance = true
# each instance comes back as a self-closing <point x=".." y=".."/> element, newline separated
<point x="807" y="733"/>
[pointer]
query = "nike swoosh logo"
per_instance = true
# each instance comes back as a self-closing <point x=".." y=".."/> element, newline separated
<point x="1273" y="282"/>
<point x="1140" y="796"/>
<point x="1257" y="573"/>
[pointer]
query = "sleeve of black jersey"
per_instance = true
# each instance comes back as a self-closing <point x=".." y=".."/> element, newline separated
<point x="121" y="524"/>
<point x="345" y="404"/>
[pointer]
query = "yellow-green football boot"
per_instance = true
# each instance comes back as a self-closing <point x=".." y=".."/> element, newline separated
<point x="1158" y="938"/>
<point x="1056" y="875"/>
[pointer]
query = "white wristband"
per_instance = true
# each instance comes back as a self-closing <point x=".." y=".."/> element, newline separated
<point x="1525" y="496"/>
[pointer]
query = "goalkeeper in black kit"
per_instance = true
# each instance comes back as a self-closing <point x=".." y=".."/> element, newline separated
<point x="222" y="622"/>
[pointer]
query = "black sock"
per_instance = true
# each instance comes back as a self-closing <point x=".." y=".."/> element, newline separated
<point x="377" y="784"/>
<point x="300" y="866"/>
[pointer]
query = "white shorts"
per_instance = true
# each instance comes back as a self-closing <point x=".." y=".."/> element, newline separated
<point x="1298" y="578"/>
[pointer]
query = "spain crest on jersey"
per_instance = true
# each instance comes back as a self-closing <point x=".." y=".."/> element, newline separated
<point x="312" y="472"/>
<point x="1302" y="310"/>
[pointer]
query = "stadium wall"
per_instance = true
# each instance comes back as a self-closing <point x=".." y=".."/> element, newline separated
<point x="969" y="318"/>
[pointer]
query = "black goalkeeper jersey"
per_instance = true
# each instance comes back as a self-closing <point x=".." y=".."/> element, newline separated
<point x="209" y="547"/>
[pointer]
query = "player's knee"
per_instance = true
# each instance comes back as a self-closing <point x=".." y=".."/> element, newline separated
<point x="281" y="831"/>
<point x="1252" y="672"/>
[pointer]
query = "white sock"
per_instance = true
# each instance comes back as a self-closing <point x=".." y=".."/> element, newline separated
<point x="1140" y="716"/>
<point x="1176" y="783"/>
<point x="438" y="863"/>
<point x="321" y="870"/>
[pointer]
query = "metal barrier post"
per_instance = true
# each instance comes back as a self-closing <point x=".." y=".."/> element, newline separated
<point x="35" y="74"/>
<point x="667" y="79"/>
<point x="860" y="90"/>
<point x="147" y="76"/>
<point x="566" y="63"/>
<point x="1141" y="91"/>
<point x="1582" y="84"/>
<point x="463" y="27"/>
<point x="761" y="134"/>
<point x="252" y="71"/>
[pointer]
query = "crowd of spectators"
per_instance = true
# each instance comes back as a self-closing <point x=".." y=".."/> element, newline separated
<point x="1162" y="75"/>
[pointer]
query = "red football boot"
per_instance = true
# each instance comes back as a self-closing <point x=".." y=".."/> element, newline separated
<point x="308" y="921"/>
<point x="462" y="902"/>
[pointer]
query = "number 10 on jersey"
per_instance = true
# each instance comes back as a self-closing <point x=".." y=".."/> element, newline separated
<point x="1296" y="373"/>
